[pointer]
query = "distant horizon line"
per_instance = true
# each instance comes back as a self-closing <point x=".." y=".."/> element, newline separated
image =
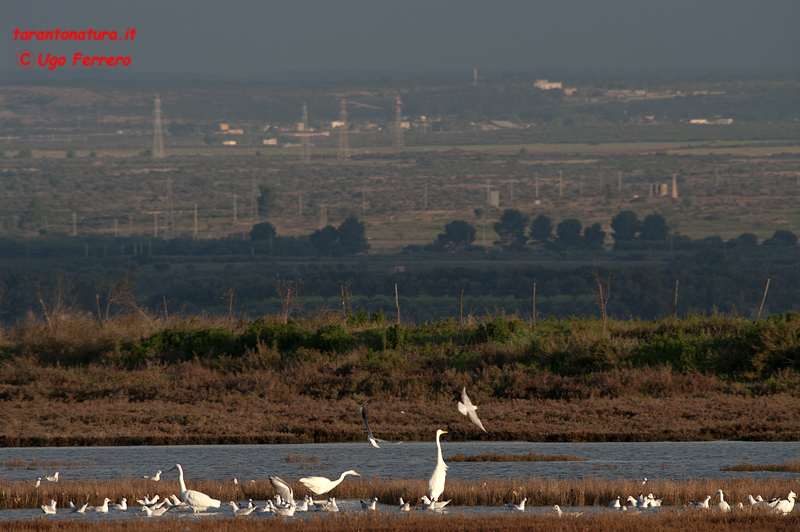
<point x="301" y="76"/>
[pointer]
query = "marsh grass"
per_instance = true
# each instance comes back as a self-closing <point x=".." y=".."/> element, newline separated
<point x="792" y="466"/>
<point x="123" y="380"/>
<point x="34" y="464"/>
<point x="665" y="520"/>
<point x="505" y="457"/>
<point x="489" y="492"/>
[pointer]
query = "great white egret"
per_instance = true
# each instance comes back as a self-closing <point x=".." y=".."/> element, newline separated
<point x="722" y="506"/>
<point x="283" y="489"/>
<point x="436" y="482"/>
<point x="466" y="407"/>
<point x="373" y="441"/>
<point x="196" y="500"/>
<point x="784" y="506"/>
<point x="321" y="485"/>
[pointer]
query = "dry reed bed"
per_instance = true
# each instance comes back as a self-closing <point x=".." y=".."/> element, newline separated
<point x="663" y="521"/>
<point x="538" y="491"/>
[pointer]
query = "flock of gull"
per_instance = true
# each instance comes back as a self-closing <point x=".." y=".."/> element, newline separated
<point x="286" y="505"/>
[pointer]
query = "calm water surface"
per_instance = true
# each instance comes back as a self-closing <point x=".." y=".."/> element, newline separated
<point x="661" y="460"/>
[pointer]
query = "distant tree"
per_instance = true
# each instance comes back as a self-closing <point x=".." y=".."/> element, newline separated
<point x="353" y="236"/>
<point x="70" y="154"/>
<point x="326" y="241"/>
<point x="654" y="227"/>
<point x="593" y="235"/>
<point x="568" y="232"/>
<point x="266" y="199"/>
<point x="25" y="153"/>
<point x="542" y="228"/>
<point x="263" y="231"/>
<point x="511" y="227"/>
<point x="457" y="234"/>
<point x="744" y="240"/>
<point x="625" y="225"/>
<point x="782" y="237"/>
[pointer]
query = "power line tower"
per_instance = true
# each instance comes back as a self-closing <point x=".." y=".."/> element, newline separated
<point x="158" y="140"/>
<point x="399" y="143"/>
<point x="344" y="145"/>
<point x="305" y="154"/>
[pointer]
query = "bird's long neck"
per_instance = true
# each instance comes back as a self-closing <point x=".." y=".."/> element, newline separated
<point x="439" y="449"/>
<point x="180" y="479"/>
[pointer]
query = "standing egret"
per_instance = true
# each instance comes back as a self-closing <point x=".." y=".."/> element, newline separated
<point x="466" y="407"/>
<point x="436" y="482"/>
<point x="196" y="500"/>
<point x="373" y="441"/>
<point x="320" y="485"/>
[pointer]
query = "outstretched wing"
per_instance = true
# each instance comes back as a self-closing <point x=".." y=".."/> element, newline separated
<point x="283" y="489"/>
<point x="370" y="436"/>
<point x="466" y="407"/>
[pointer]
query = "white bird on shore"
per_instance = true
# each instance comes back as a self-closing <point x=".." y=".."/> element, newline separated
<point x="722" y="506"/>
<point x="54" y="478"/>
<point x="652" y="502"/>
<point x="196" y="500"/>
<point x="615" y="503"/>
<point x="147" y="501"/>
<point x="321" y="485"/>
<point x="49" y="509"/>
<point x="520" y="506"/>
<point x="154" y="478"/>
<point x="371" y="505"/>
<point x="38" y="482"/>
<point x="78" y="509"/>
<point x="752" y="501"/>
<point x="154" y="512"/>
<point x="404" y="506"/>
<point x="700" y="504"/>
<point x="241" y="511"/>
<point x="330" y="506"/>
<point x="436" y="482"/>
<point x="373" y="441"/>
<point x="562" y="513"/>
<point x="103" y="508"/>
<point x="121" y="506"/>
<point x="433" y="504"/>
<point x="466" y="407"/>
<point x="784" y="506"/>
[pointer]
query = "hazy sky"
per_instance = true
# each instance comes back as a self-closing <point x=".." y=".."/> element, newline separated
<point x="243" y="39"/>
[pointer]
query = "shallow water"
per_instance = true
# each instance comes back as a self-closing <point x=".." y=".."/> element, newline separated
<point x="660" y="460"/>
<point x="412" y="460"/>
